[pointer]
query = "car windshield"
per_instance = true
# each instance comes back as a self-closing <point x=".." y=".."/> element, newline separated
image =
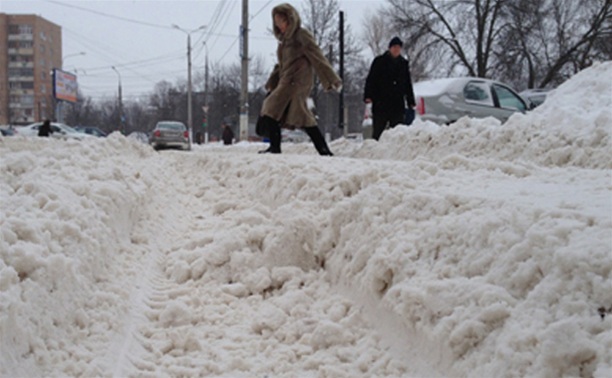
<point x="69" y="129"/>
<point x="507" y="99"/>
<point x="171" y="126"/>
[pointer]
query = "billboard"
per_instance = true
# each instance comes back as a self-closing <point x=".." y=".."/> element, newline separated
<point x="64" y="85"/>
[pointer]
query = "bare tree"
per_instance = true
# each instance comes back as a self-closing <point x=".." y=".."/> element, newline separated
<point x="321" y="18"/>
<point x="376" y="32"/>
<point x="165" y="98"/>
<point x="549" y="40"/>
<point x="465" y="30"/>
<point x="84" y="112"/>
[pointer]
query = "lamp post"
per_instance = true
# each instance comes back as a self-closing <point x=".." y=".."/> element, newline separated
<point x="205" y="107"/>
<point x="120" y="102"/>
<point x="71" y="55"/>
<point x="189" y="115"/>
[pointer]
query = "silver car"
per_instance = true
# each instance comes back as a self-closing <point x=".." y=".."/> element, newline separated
<point x="170" y="134"/>
<point x="444" y="101"/>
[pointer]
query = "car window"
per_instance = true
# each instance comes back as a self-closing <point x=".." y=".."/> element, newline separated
<point x="171" y="126"/>
<point x="56" y="129"/>
<point x="507" y="98"/>
<point x="477" y="92"/>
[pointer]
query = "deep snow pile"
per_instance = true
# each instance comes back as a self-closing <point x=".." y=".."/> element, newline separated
<point x="479" y="250"/>
<point x="571" y="128"/>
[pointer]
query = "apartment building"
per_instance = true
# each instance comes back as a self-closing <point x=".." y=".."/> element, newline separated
<point x="30" y="47"/>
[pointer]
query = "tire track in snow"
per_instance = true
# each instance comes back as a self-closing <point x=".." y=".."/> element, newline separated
<point x="218" y="303"/>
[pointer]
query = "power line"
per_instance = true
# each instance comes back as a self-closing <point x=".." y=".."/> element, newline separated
<point x="109" y="15"/>
<point x="259" y="11"/>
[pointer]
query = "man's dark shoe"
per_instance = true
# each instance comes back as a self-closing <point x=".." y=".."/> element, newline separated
<point x="270" y="150"/>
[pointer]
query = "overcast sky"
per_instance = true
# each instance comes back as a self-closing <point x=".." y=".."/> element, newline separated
<point x="136" y="36"/>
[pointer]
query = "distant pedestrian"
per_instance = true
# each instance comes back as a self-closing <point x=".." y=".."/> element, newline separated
<point x="45" y="129"/>
<point x="289" y="85"/>
<point x="228" y="134"/>
<point x="389" y="88"/>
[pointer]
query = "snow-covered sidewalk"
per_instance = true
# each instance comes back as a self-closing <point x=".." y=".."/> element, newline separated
<point x="466" y="251"/>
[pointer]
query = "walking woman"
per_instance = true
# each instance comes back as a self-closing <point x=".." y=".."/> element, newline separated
<point x="291" y="81"/>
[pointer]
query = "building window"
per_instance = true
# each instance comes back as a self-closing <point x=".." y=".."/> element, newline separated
<point x="16" y="72"/>
<point x="25" y="29"/>
<point x="25" y="44"/>
<point x="27" y="100"/>
<point x="27" y="85"/>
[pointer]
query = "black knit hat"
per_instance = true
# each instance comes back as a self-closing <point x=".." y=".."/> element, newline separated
<point x="396" y="41"/>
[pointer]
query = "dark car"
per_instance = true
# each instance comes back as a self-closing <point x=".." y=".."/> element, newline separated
<point x="170" y="134"/>
<point x="536" y="96"/>
<point x="7" y="131"/>
<point x="90" y="130"/>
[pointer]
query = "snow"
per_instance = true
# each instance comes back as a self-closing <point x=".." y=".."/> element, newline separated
<point x="470" y="250"/>
<point x="434" y="87"/>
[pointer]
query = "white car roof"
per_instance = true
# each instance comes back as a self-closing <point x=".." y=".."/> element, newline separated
<point x="437" y="87"/>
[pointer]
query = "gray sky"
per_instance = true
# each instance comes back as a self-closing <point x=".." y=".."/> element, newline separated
<point x="137" y="38"/>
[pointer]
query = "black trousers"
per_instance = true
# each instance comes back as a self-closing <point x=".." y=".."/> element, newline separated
<point x="381" y="119"/>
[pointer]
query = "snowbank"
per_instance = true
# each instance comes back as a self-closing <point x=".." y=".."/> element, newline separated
<point x="472" y="250"/>
<point x="571" y="128"/>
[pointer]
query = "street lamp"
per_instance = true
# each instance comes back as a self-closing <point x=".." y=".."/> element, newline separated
<point x="188" y="32"/>
<point x="120" y="103"/>
<point x="71" y="55"/>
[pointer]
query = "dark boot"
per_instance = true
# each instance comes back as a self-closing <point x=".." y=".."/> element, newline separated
<point x="318" y="140"/>
<point x="273" y="127"/>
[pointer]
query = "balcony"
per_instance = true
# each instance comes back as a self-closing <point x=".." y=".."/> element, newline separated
<point x="21" y="78"/>
<point x="21" y="64"/>
<point x="20" y="37"/>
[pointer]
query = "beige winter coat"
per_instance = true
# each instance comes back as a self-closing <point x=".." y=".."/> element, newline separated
<point x="291" y="81"/>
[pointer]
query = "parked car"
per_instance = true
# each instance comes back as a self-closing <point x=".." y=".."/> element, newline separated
<point x="139" y="136"/>
<point x="7" y="130"/>
<point x="444" y="101"/>
<point x="59" y="131"/>
<point x="90" y="130"/>
<point x="170" y="134"/>
<point x="535" y="96"/>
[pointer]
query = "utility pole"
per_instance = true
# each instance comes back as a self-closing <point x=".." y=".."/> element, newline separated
<point x="341" y="122"/>
<point x="205" y="108"/>
<point x="189" y="103"/>
<point x="244" y="54"/>
<point x="120" y="104"/>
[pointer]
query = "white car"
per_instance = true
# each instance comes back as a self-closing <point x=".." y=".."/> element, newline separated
<point x="60" y="131"/>
<point x="444" y="101"/>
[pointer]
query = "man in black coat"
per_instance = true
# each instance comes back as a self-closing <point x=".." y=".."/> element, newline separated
<point x="45" y="129"/>
<point x="389" y="87"/>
